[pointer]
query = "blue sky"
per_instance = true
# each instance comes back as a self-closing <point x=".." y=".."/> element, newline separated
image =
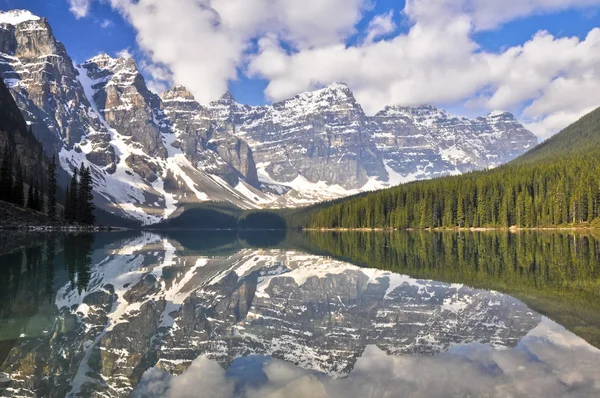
<point x="254" y="80"/>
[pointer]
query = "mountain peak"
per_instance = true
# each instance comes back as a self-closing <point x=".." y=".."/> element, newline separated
<point x="105" y="62"/>
<point x="227" y="97"/>
<point x="15" y="17"/>
<point x="500" y="115"/>
<point x="178" y="92"/>
<point x="338" y="86"/>
<point x="100" y="58"/>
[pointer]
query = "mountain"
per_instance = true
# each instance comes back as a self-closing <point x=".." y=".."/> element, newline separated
<point x="426" y="142"/>
<point x="323" y="145"/>
<point x="150" y="301"/>
<point x="151" y="156"/>
<point x="554" y="184"/>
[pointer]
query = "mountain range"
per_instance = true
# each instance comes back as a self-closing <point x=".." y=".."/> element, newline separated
<point x="151" y="155"/>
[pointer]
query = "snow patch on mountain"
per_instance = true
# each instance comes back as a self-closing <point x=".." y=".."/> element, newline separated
<point x="16" y="17"/>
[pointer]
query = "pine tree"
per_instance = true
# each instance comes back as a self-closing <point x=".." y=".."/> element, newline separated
<point x="18" y="188"/>
<point x="30" y="196"/>
<point x="6" y="179"/>
<point x="67" y="205"/>
<point x="37" y="200"/>
<point x="85" y="197"/>
<point x="81" y="196"/>
<point x="71" y="211"/>
<point x="51" y="193"/>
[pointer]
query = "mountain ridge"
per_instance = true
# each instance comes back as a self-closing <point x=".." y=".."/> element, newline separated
<point x="152" y="154"/>
<point x="553" y="185"/>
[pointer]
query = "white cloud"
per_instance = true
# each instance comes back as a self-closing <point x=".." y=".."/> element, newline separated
<point x="437" y="61"/>
<point x="205" y="42"/>
<point x="380" y="25"/>
<point x="80" y="8"/>
<point x="487" y="14"/>
<point x="296" y="46"/>
<point x="124" y="53"/>
<point x="160" y="77"/>
<point x="203" y="376"/>
<point x="106" y="23"/>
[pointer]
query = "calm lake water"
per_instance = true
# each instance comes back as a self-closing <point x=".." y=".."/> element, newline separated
<point x="257" y="314"/>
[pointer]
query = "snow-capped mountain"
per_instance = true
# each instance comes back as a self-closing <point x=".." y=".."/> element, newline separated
<point x="150" y="302"/>
<point x="151" y="154"/>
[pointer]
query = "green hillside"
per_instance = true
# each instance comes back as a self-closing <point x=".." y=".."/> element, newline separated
<point x="555" y="184"/>
<point x="579" y="138"/>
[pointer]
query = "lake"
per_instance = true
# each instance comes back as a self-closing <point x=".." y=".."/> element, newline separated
<point x="274" y="314"/>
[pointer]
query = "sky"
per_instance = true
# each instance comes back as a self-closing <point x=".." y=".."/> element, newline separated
<point x="539" y="59"/>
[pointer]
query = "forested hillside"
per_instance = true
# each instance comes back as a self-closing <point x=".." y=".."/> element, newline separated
<point x="557" y="183"/>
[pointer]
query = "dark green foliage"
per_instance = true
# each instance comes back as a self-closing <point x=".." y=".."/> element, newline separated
<point x="220" y="215"/>
<point x="37" y="199"/>
<point x="34" y="199"/>
<point x="21" y="155"/>
<point x="71" y="209"/>
<point x="79" y="204"/>
<point x="6" y="178"/>
<point x="52" y="187"/>
<point x="205" y="216"/>
<point x="19" y="186"/>
<point x="85" y="197"/>
<point x="30" y="196"/>
<point x="576" y="139"/>
<point x="262" y="220"/>
<point x="107" y="219"/>
<point x="557" y="183"/>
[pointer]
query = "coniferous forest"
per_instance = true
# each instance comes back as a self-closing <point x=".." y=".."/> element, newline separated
<point x="555" y="184"/>
<point x="79" y="203"/>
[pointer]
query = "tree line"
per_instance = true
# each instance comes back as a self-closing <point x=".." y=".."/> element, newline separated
<point x="41" y="194"/>
<point x="558" y="186"/>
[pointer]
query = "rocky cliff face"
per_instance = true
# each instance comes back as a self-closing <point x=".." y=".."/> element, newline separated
<point x="44" y="83"/>
<point x="322" y="140"/>
<point x="425" y="142"/>
<point x="150" y="155"/>
<point x="150" y="302"/>
<point x="319" y="136"/>
<point x="212" y="148"/>
<point x="147" y="159"/>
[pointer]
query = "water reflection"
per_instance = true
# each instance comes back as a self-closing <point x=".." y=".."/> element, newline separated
<point x="548" y="362"/>
<point x="272" y="315"/>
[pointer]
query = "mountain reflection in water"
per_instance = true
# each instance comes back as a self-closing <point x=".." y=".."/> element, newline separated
<point x="268" y="315"/>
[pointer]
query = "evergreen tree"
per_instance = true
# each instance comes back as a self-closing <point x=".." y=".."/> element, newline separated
<point x="6" y="179"/>
<point x="18" y="188"/>
<point x="71" y="210"/>
<point x="30" y="196"/>
<point x="52" y="185"/>
<point x="37" y="200"/>
<point x="85" y="197"/>
<point x="67" y="205"/>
